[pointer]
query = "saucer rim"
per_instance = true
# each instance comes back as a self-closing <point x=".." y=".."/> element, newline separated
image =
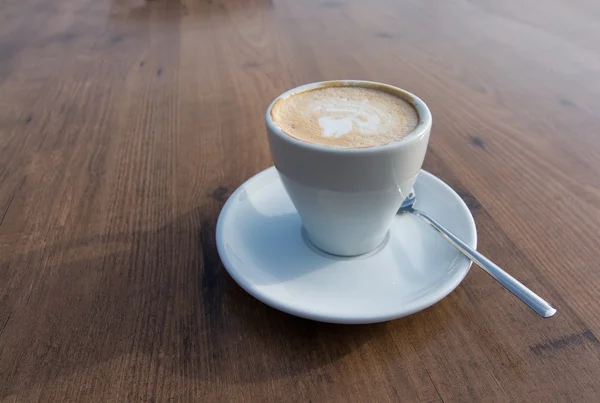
<point x="453" y="280"/>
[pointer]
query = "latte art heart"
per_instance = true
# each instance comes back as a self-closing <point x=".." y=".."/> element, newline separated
<point x="345" y="116"/>
<point x="339" y="119"/>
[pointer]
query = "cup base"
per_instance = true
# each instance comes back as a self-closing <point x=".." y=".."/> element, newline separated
<point x="311" y="245"/>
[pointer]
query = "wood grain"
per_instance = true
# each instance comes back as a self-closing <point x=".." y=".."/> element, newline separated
<point x="126" y="124"/>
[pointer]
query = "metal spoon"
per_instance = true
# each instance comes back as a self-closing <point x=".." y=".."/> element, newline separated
<point x="535" y="302"/>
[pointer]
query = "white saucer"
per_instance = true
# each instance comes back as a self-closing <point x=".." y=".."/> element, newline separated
<point x="260" y="242"/>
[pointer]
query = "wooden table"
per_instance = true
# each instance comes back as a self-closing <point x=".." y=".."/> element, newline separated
<point x="126" y="124"/>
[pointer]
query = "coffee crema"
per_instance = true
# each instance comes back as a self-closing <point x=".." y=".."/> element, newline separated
<point x="345" y="116"/>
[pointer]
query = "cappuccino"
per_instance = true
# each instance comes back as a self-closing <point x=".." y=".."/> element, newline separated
<point x="347" y="116"/>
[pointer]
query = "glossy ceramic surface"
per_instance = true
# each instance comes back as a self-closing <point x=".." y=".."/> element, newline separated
<point x="261" y="243"/>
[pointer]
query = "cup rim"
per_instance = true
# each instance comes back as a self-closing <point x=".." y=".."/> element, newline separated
<point x="416" y="134"/>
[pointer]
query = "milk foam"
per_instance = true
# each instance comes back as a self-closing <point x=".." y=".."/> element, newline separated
<point x="339" y="118"/>
<point x="345" y="116"/>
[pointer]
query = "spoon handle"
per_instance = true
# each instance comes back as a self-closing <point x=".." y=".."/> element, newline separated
<point x="534" y="301"/>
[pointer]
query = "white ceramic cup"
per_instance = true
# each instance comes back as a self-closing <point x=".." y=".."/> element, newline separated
<point x="347" y="197"/>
